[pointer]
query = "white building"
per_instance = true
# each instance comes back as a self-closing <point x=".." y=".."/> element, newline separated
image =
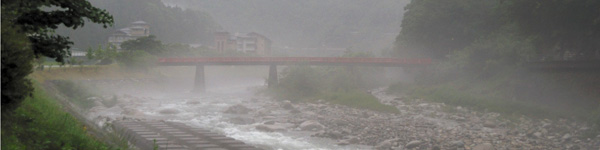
<point x="135" y="30"/>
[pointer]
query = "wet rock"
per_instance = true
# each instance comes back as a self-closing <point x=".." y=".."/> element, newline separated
<point x="270" y="122"/>
<point x="489" y="124"/>
<point x="287" y="105"/>
<point x="192" y="102"/>
<point x="169" y="111"/>
<point x="269" y="128"/>
<point x="241" y="120"/>
<point x="311" y="125"/>
<point x="352" y="139"/>
<point x="385" y="145"/>
<point x="413" y="144"/>
<point x="132" y="112"/>
<point x="484" y="146"/>
<point x="457" y="144"/>
<point x="98" y="103"/>
<point x="343" y="142"/>
<point x="238" y="109"/>
<point x="295" y="111"/>
<point x="537" y="134"/>
<point x="566" y="137"/>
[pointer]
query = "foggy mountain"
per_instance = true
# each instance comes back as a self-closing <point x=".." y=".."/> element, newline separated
<point x="354" y="24"/>
<point x="171" y="25"/>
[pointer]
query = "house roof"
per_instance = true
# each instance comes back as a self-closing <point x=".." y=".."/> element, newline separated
<point x="139" y="22"/>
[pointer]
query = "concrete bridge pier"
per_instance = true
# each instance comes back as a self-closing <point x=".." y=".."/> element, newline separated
<point x="199" y="84"/>
<point x="273" y="80"/>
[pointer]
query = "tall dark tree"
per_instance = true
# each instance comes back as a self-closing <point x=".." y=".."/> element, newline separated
<point x="148" y="44"/>
<point x="27" y="31"/>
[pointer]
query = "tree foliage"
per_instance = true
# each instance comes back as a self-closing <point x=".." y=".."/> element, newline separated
<point x="485" y="33"/>
<point x="148" y="44"/>
<point x="558" y="25"/>
<point x="28" y="31"/>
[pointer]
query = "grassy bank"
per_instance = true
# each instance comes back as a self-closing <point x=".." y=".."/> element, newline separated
<point x="538" y="95"/>
<point x="41" y="123"/>
<point x="92" y="72"/>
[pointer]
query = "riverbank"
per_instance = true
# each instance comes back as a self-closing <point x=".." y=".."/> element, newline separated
<point x="47" y="120"/>
<point x="427" y="125"/>
<point x="41" y="122"/>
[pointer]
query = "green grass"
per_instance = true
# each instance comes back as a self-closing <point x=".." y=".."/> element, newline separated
<point x="41" y="123"/>
<point x="359" y="99"/>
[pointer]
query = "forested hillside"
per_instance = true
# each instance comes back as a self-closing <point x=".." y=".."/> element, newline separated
<point x="353" y="24"/>
<point x="169" y="24"/>
<point x="501" y="30"/>
<point x="481" y="49"/>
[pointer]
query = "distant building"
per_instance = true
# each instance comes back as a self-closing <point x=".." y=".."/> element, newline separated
<point x="135" y="30"/>
<point x="247" y="43"/>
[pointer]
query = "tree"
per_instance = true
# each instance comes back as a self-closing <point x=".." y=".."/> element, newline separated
<point x="148" y="44"/>
<point x="90" y="54"/>
<point x="558" y="25"/>
<point x="435" y="28"/>
<point x="27" y="31"/>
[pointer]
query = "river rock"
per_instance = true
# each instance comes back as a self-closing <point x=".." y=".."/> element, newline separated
<point x="343" y="142"/>
<point x="457" y="144"/>
<point x="169" y="111"/>
<point x="385" y="145"/>
<point x="241" y="120"/>
<point x="489" y="124"/>
<point x="269" y="128"/>
<point x="270" y="122"/>
<point x="413" y="144"/>
<point x="132" y="111"/>
<point x="287" y="105"/>
<point x="566" y="137"/>
<point x="537" y="134"/>
<point x="98" y="103"/>
<point x="352" y="139"/>
<point x="238" y="109"/>
<point x="484" y="146"/>
<point x="192" y="102"/>
<point x="311" y="125"/>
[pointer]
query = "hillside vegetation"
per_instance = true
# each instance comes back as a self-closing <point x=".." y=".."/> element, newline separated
<point x="169" y="24"/>
<point x="480" y="48"/>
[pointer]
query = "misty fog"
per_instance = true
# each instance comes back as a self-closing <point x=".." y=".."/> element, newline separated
<point x="310" y="74"/>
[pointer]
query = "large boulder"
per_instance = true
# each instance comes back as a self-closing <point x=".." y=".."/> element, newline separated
<point x="238" y="109"/>
<point x="311" y="125"/>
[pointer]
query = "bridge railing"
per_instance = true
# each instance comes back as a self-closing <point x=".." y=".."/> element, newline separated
<point x="295" y="60"/>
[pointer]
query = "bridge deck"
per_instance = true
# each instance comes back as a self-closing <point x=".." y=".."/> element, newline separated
<point x="292" y="61"/>
<point x="176" y="136"/>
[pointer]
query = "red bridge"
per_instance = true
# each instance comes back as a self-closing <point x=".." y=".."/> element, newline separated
<point x="317" y="61"/>
<point x="272" y="62"/>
